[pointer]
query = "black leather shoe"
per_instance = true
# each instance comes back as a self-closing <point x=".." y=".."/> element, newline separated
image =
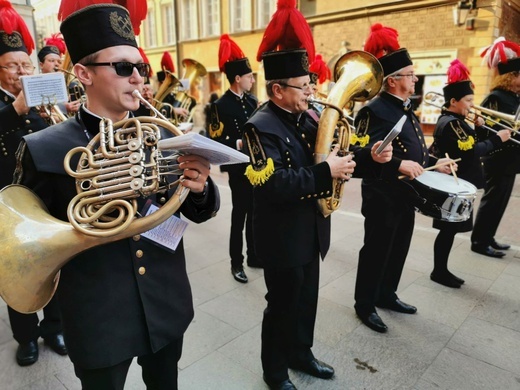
<point x="27" y="353"/>
<point x="315" y="368"/>
<point x="373" y="321"/>
<point x="457" y="279"/>
<point x="398" y="306"/>
<point x="445" y="279"/>
<point x="487" y="251"/>
<point x="239" y="274"/>
<point x="499" y="247"/>
<point x="283" y="385"/>
<point x="56" y="343"/>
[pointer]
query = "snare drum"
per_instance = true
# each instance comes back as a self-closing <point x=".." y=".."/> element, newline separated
<point x="443" y="198"/>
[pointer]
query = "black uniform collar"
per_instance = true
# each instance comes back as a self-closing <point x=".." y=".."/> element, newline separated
<point x="453" y="114"/>
<point x="285" y="115"/>
<point x="397" y="101"/>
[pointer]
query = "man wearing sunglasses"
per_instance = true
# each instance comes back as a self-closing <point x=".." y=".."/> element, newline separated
<point x="129" y="298"/>
<point x="17" y="120"/>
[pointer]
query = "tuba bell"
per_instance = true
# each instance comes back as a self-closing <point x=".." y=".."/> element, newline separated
<point x="122" y="163"/>
<point x="169" y="86"/>
<point x="193" y="72"/>
<point x="359" y="77"/>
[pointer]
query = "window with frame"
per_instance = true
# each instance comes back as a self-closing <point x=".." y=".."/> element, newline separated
<point x="189" y="24"/>
<point x="240" y="12"/>
<point x="168" y="23"/>
<point x="150" y="30"/>
<point x="264" y="11"/>
<point x="210" y="18"/>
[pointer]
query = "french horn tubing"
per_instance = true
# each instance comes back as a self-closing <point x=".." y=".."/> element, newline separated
<point x="119" y="165"/>
<point x="359" y="77"/>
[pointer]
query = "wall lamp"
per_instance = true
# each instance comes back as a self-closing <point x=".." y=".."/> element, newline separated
<point x="462" y="10"/>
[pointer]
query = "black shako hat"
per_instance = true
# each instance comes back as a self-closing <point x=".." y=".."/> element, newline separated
<point x="512" y="65"/>
<point x="285" y="64"/>
<point x="458" y="90"/>
<point x="395" y="61"/>
<point x="11" y="42"/>
<point x="237" y="68"/>
<point x="46" y="50"/>
<point x="112" y="26"/>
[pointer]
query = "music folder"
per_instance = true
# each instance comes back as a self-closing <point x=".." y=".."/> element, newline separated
<point x="392" y="134"/>
<point x="194" y="143"/>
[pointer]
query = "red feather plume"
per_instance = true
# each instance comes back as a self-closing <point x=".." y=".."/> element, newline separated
<point x="320" y="68"/>
<point x="11" y="21"/>
<point x="287" y="29"/>
<point x="145" y="60"/>
<point x="382" y="40"/>
<point x="500" y="51"/>
<point x="167" y="62"/>
<point x="228" y="51"/>
<point x="56" y="40"/>
<point x="457" y="72"/>
<point x="136" y="8"/>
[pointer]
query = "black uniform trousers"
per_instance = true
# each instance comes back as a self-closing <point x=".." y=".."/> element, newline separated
<point x="288" y="324"/>
<point x="26" y="328"/>
<point x="159" y="371"/>
<point x="242" y="212"/>
<point x="498" y="189"/>
<point x="388" y="234"/>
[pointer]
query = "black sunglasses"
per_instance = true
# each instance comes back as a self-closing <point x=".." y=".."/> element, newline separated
<point x="125" y="69"/>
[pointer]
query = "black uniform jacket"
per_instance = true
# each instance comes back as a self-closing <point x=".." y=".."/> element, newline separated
<point x="288" y="228"/>
<point x="12" y="128"/>
<point x="122" y="299"/>
<point x="454" y="136"/>
<point x="376" y="119"/>
<point x="228" y="114"/>
<point x="505" y="159"/>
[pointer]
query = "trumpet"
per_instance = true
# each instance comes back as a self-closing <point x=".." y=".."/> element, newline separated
<point x="50" y="111"/>
<point x="431" y="98"/>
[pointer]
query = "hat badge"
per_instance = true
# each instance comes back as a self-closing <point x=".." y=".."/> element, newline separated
<point x="122" y="25"/>
<point x="12" y="40"/>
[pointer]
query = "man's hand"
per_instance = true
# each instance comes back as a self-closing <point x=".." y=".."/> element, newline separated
<point x="383" y="157"/>
<point x="447" y="168"/>
<point x="411" y="169"/>
<point x="19" y="104"/>
<point x="340" y="167"/>
<point x="195" y="172"/>
<point x="73" y="107"/>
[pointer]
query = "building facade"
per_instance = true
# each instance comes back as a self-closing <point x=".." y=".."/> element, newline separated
<point x="435" y="32"/>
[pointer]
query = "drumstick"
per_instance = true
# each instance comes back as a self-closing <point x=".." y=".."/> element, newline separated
<point x="453" y="170"/>
<point x="435" y="166"/>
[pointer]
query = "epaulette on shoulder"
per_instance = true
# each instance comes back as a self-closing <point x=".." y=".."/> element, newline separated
<point x="261" y="167"/>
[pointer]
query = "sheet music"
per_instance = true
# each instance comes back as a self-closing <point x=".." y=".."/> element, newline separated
<point x="169" y="233"/>
<point x="43" y="89"/>
<point x="194" y="143"/>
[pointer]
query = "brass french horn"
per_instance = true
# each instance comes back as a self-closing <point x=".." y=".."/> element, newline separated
<point x="119" y="165"/>
<point x="359" y="77"/>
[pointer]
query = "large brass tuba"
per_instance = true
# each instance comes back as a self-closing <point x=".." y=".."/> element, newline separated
<point x="359" y="77"/>
<point x="193" y="71"/>
<point x="119" y="165"/>
<point x="169" y="86"/>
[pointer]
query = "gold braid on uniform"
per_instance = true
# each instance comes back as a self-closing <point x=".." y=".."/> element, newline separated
<point x="216" y="127"/>
<point x="363" y="138"/>
<point x="261" y="168"/>
<point x="464" y="142"/>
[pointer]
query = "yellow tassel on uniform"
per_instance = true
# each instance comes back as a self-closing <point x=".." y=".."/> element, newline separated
<point x="466" y="145"/>
<point x="363" y="141"/>
<point x="258" y="178"/>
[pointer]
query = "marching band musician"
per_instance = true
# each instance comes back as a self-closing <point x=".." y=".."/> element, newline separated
<point x="50" y="60"/>
<point x="453" y="136"/>
<point x="129" y="298"/>
<point x="17" y="120"/>
<point x="500" y="165"/>
<point x="389" y="216"/>
<point x="169" y="100"/>
<point x="289" y="232"/>
<point x="227" y="116"/>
